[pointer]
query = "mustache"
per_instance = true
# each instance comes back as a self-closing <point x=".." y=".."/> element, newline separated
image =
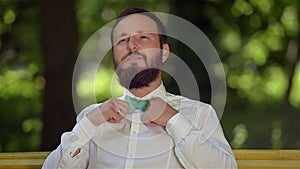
<point x="134" y="53"/>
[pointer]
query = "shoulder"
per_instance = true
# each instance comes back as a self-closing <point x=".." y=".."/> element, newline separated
<point x="182" y="102"/>
<point x="193" y="110"/>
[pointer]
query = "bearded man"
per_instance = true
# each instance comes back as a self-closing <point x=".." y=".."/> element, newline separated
<point x="147" y="127"/>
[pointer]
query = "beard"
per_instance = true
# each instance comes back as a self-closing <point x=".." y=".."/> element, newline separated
<point x="136" y="77"/>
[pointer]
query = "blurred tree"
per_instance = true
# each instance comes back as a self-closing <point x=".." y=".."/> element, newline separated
<point x="258" y="42"/>
<point x="21" y="80"/>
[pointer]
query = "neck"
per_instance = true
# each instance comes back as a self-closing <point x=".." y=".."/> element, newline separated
<point x="141" y="92"/>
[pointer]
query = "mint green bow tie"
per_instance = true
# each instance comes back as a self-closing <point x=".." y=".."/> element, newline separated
<point x="136" y="104"/>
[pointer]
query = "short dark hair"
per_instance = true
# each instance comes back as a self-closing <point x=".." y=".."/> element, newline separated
<point x="161" y="28"/>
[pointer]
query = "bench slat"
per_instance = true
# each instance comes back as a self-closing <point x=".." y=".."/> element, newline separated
<point x="24" y="155"/>
<point x="268" y="164"/>
<point x="246" y="159"/>
<point x="21" y="163"/>
<point x="267" y="154"/>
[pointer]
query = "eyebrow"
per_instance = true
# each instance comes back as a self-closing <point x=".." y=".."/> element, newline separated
<point x="139" y="32"/>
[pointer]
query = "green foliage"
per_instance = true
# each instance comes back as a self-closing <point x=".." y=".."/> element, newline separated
<point x="94" y="14"/>
<point x="254" y="38"/>
<point x="258" y="41"/>
<point x="21" y="80"/>
<point x="295" y="90"/>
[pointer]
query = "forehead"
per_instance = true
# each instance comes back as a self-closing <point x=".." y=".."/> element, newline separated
<point x="135" y="23"/>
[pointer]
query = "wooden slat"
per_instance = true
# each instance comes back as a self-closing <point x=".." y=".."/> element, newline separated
<point x="21" y="163"/>
<point x="267" y="154"/>
<point x="22" y="160"/>
<point x="246" y="159"/>
<point x="24" y="155"/>
<point x="268" y="159"/>
<point x="268" y="164"/>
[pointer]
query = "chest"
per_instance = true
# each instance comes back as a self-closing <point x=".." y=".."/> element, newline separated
<point x="132" y="144"/>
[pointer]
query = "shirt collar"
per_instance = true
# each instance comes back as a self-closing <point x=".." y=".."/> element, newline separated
<point x="160" y="92"/>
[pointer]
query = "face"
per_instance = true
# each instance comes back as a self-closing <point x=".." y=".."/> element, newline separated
<point x="138" y="55"/>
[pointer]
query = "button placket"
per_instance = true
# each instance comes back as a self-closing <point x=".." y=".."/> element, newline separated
<point x="132" y="141"/>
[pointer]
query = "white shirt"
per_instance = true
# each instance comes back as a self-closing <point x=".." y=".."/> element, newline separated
<point x="193" y="138"/>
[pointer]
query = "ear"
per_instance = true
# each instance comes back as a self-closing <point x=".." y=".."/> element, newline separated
<point x="166" y="51"/>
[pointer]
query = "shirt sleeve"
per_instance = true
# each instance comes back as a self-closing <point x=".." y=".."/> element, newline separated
<point x="73" y="152"/>
<point x="199" y="139"/>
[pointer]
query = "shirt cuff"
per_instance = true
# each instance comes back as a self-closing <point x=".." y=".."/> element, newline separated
<point x="178" y="127"/>
<point x="84" y="130"/>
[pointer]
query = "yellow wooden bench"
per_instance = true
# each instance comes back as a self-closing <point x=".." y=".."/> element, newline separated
<point x="246" y="159"/>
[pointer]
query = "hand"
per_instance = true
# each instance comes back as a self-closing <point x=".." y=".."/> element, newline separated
<point x="112" y="110"/>
<point x="158" y="113"/>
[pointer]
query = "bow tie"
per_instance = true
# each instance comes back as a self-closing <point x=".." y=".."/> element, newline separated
<point x="136" y="104"/>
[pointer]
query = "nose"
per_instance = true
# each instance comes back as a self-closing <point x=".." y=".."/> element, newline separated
<point x="132" y="45"/>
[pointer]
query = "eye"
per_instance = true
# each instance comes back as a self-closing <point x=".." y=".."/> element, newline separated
<point x="144" y="37"/>
<point x="121" y="41"/>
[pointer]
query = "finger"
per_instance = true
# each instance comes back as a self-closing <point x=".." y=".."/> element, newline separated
<point x="147" y="118"/>
<point x="121" y="106"/>
<point x="124" y="110"/>
<point x="115" y="117"/>
<point x="154" y="110"/>
<point x="151" y="124"/>
<point x="148" y="121"/>
<point x="119" y="110"/>
<point x="120" y="102"/>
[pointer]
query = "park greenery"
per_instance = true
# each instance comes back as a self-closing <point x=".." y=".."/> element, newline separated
<point x="257" y="41"/>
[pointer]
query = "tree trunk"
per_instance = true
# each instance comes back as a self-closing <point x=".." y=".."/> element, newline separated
<point x="59" y="40"/>
<point x="193" y="12"/>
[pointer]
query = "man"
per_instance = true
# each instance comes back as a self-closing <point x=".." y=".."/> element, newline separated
<point x="146" y="127"/>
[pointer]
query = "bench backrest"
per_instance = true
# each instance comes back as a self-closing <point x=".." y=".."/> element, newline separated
<point x="246" y="159"/>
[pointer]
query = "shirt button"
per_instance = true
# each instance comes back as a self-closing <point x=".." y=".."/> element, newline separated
<point x="133" y="132"/>
<point x="130" y="155"/>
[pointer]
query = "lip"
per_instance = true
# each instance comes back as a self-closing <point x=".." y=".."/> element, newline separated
<point x="134" y="58"/>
